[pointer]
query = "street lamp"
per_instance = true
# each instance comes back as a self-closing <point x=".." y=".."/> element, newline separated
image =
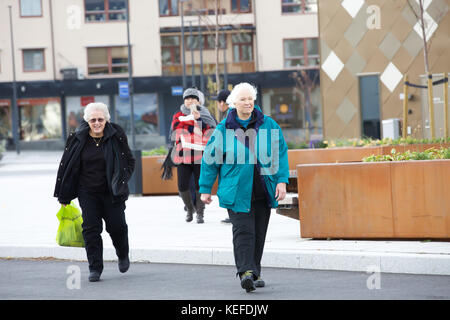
<point x="182" y="44"/>
<point x="15" y="113"/>
<point x="130" y="80"/>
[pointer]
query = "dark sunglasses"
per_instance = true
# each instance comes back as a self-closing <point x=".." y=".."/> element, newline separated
<point x="94" y="120"/>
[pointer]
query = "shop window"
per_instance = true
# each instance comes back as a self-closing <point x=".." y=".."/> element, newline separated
<point x="168" y="7"/>
<point x="105" y="10"/>
<point x="242" y="47"/>
<point x="5" y="120"/>
<point x="107" y="60"/>
<point x="241" y="6"/>
<point x="170" y="50"/>
<point x="301" y="53"/>
<point x="39" y="119"/>
<point x="145" y="113"/>
<point x="30" y="8"/>
<point x="299" y="6"/>
<point x="33" y="60"/>
<point x="75" y="109"/>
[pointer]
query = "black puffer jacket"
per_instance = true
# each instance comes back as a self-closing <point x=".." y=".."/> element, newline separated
<point x="119" y="163"/>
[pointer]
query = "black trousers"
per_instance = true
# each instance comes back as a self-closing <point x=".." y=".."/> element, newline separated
<point x="249" y="236"/>
<point x="184" y="172"/>
<point x="95" y="207"/>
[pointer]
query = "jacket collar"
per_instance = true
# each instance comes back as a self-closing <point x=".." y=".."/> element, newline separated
<point x="83" y="130"/>
<point x="257" y="118"/>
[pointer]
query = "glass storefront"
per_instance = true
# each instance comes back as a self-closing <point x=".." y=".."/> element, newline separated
<point x="5" y="120"/>
<point x="145" y="113"/>
<point x="297" y="110"/>
<point x="40" y="119"/>
<point x="75" y="109"/>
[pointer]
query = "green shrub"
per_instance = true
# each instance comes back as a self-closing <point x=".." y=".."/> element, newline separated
<point x="429" y="154"/>
<point x="161" y="151"/>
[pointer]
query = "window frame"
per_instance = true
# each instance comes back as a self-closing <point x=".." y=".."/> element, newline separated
<point x="30" y="16"/>
<point x="106" y="12"/>
<point x="305" y="56"/>
<point x="172" y="48"/>
<point x="169" y="4"/>
<point x="302" y="6"/>
<point x="205" y="42"/>
<point x="238" y="5"/>
<point x="240" y="45"/>
<point x="43" y="60"/>
<point x="110" y="64"/>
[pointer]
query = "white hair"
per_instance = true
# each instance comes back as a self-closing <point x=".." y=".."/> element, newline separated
<point x="96" y="106"/>
<point x="237" y="89"/>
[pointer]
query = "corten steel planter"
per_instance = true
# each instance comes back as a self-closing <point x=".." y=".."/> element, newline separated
<point x="152" y="184"/>
<point x="151" y="177"/>
<point x="400" y="199"/>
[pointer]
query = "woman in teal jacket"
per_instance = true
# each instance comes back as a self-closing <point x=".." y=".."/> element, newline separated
<point x="248" y="153"/>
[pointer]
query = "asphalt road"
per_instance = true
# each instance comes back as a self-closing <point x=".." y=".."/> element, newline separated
<point x="68" y="280"/>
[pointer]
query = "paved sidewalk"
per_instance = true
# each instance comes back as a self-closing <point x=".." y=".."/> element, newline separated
<point x="158" y="232"/>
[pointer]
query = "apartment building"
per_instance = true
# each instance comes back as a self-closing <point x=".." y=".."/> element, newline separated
<point x="67" y="53"/>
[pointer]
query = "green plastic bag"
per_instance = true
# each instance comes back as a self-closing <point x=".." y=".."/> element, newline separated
<point x="69" y="231"/>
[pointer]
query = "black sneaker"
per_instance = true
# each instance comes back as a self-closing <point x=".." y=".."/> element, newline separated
<point x="124" y="264"/>
<point x="259" y="283"/>
<point x="226" y="220"/>
<point x="247" y="282"/>
<point x="94" y="276"/>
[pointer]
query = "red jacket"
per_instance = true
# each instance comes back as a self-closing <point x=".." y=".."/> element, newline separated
<point x="190" y="137"/>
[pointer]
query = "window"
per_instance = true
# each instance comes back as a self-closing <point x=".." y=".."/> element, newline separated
<point x="39" y="119"/>
<point x="107" y="60"/>
<point x="33" y="60"/>
<point x="208" y="41"/>
<point x="298" y="6"/>
<point x="302" y="53"/>
<point x="242" y="47"/>
<point x="145" y="111"/>
<point x="170" y="50"/>
<point x="241" y="6"/>
<point x="168" y="7"/>
<point x="30" y="8"/>
<point x="105" y="10"/>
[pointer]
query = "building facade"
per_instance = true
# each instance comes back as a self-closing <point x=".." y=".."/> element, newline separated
<point x="61" y="55"/>
<point x="366" y="48"/>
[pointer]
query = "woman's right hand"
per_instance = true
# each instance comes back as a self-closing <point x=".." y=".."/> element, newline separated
<point x="206" y="198"/>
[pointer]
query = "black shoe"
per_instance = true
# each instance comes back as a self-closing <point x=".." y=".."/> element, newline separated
<point x="259" y="283"/>
<point x="124" y="264"/>
<point x="226" y="220"/>
<point x="247" y="282"/>
<point x="200" y="218"/>
<point x="94" y="276"/>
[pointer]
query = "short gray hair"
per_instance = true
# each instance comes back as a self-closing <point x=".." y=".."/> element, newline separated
<point x="96" y="106"/>
<point x="232" y="98"/>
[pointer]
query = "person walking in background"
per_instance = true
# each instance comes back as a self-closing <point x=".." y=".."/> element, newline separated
<point x="223" y="108"/>
<point x="189" y="130"/>
<point x="95" y="167"/>
<point x="250" y="188"/>
<point x="222" y="104"/>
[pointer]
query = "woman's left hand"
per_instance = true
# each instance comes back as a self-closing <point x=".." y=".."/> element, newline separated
<point x="280" y="191"/>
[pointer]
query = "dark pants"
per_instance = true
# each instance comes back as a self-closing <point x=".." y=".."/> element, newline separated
<point x="184" y="172"/>
<point x="95" y="207"/>
<point x="249" y="236"/>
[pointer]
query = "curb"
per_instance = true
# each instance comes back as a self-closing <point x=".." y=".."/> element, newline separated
<point x="369" y="262"/>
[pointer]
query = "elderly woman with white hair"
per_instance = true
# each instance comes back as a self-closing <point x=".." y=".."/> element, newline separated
<point x="95" y="168"/>
<point x="248" y="153"/>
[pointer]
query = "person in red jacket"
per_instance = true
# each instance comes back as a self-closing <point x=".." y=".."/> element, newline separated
<point x="191" y="126"/>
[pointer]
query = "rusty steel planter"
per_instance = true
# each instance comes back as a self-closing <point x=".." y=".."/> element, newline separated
<point x="399" y="199"/>
<point x="152" y="184"/>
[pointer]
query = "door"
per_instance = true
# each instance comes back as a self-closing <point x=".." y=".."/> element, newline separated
<point x="369" y="93"/>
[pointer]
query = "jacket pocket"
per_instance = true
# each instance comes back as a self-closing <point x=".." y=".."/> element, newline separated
<point x="227" y="190"/>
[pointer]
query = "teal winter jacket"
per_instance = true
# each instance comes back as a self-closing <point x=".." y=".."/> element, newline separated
<point x="232" y="154"/>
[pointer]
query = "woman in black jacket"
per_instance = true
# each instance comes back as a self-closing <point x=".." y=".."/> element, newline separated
<point x="95" y="167"/>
